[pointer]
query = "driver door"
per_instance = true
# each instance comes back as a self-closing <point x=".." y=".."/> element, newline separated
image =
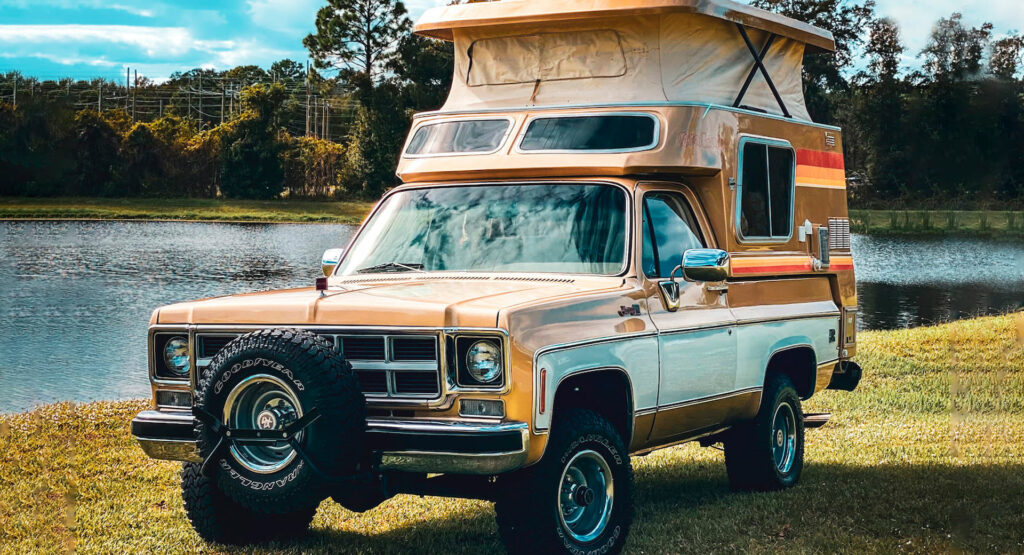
<point x="696" y="336"/>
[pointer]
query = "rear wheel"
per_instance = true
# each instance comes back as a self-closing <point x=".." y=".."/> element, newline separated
<point x="577" y="499"/>
<point x="768" y="452"/>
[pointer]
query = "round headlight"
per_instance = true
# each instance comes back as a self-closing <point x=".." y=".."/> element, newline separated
<point x="176" y="356"/>
<point x="483" y="362"/>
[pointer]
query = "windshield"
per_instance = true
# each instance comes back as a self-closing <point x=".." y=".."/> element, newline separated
<point x="549" y="228"/>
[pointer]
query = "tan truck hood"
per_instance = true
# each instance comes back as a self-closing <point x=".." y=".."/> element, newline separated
<point x="474" y="302"/>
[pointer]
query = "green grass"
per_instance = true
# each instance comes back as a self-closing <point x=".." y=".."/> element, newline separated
<point x="988" y="223"/>
<point x="301" y="211"/>
<point x="927" y="456"/>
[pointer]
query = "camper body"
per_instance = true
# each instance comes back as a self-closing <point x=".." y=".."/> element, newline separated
<point x="621" y="233"/>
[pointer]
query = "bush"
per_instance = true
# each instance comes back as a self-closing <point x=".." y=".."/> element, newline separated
<point x="314" y="168"/>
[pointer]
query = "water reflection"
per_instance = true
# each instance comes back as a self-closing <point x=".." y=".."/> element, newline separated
<point x="76" y="297"/>
<point x="907" y="282"/>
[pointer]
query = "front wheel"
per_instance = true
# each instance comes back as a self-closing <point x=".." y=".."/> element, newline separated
<point x="768" y="453"/>
<point x="577" y="499"/>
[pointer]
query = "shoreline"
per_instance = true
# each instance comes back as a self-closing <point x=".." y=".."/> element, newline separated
<point x="992" y="224"/>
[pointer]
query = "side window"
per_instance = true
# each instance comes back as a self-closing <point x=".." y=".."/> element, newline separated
<point x="766" y="192"/>
<point x="670" y="229"/>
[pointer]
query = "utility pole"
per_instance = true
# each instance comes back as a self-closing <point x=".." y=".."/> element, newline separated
<point x="307" y="98"/>
<point x="189" y="93"/>
<point x="99" y="99"/>
<point x="135" y="93"/>
<point x="201" y="117"/>
<point x="161" y="107"/>
<point x="223" y="94"/>
<point x="127" y="86"/>
<point x="327" y="122"/>
<point x="15" y="91"/>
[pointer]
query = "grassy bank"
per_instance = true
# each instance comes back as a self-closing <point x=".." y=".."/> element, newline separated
<point x="300" y="211"/>
<point x="927" y="456"/>
<point x="990" y="223"/>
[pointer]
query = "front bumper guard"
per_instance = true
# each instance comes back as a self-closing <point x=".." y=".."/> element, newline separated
<point x="431" y="446"/>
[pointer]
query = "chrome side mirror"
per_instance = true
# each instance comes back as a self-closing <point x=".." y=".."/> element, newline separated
<point x="705" y="265"/>
<point x="330" y="260"/>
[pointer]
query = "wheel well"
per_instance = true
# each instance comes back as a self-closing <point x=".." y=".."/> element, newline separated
<point x="797" y="363"/>
<point x="606" y="392"/>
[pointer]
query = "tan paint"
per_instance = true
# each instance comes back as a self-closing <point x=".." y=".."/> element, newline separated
<point x="673" y="424"/>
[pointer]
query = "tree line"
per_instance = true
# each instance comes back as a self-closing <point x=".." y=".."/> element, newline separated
<point x="949" y="133"/>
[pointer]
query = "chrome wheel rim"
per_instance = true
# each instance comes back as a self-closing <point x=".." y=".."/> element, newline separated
<point x="262" y="402"/>
<point x="585" y="496"/>
<point x="784" y="437"/>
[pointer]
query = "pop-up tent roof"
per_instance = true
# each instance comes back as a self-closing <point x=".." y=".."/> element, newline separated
<point x="521" y="53"/>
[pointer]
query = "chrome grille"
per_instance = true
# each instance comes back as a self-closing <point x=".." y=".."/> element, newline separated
<point x="405" y="366"/>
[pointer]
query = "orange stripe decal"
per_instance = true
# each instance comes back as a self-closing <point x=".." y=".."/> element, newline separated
<point x="785" y="264"/>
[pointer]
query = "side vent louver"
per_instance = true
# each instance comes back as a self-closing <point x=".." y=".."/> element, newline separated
<point x="839" y="234"/>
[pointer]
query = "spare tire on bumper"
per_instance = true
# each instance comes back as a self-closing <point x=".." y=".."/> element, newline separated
<point x="266" y="380"/>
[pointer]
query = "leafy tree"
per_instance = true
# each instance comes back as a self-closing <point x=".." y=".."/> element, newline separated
<point x="359" y="37"/>
<point x="424" y="66"/>
<point x="251" y="166"/>
<point x="96" y="151"/>
<point x="880" y="111"/>
<point x="143" y="156"/>
<point x="1006" y="56"/>
<point x="288" y="71"/>
<point x="956" y="52"/>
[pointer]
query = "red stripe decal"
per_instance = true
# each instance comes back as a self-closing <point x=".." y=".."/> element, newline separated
<point x="821" y="159"/>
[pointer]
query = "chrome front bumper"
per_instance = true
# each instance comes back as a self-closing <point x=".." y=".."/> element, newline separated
<point x="431" y="446"/>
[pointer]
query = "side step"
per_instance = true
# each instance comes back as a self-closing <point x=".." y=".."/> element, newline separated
<point x="818" y="420"/>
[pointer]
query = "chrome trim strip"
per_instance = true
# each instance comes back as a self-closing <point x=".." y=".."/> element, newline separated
<point x="452" y="463"/>
<point x="669" y="104"/>
<point x="587" y="342"/>
<point x="440" y="426"/>
<point x="710" y="399"/>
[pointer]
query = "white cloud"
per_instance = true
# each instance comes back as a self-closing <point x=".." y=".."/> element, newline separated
<point x="153" y="41"/>
<point x="285" y="16"/>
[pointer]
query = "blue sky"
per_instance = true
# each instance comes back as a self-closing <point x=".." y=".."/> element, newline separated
<point x="92" y="38"/>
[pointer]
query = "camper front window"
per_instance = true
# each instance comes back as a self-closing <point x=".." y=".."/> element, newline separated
<point x="592" y="133"/>
<point x="480" y="136"/>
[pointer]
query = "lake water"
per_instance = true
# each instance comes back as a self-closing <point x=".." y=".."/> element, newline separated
<point x="76" y="296"/>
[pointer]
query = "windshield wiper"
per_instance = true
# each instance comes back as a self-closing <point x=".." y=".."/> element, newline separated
<point x="392" y="267"/>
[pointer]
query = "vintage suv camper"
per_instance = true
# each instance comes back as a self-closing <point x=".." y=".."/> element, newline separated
<point x="622" y="232"/>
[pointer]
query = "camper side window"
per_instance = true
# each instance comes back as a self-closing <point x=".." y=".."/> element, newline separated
<point x="766" y="191"/>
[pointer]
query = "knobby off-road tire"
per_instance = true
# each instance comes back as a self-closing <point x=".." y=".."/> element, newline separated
<point x="767" y="453"/>
<point x="530" y="502"/>
<point x="264" y="380"/>
<point x="218" y="519"/>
